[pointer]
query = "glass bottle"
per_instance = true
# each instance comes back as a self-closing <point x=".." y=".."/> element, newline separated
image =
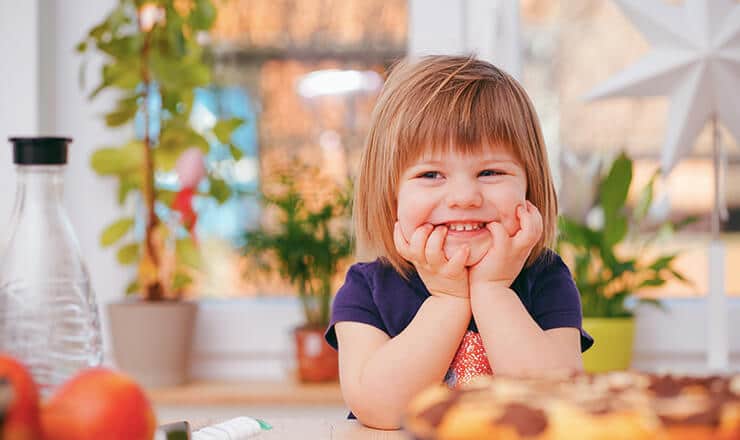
<point x="48" y="315"/>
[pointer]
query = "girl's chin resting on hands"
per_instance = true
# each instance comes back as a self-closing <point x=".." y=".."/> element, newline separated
<point x="479" y="242"/>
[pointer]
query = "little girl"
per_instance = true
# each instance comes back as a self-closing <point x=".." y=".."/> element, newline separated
<point x="456" y="202"/>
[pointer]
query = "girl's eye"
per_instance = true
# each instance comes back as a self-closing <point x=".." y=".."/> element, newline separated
<point x="489" y="173"/>
<point x="430" y="175"/>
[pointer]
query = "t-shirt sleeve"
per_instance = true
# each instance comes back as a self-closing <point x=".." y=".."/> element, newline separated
<point x="353" y="302"/>
<point x="557" y="302"/>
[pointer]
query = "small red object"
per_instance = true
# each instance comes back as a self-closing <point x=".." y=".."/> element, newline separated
<point x="184" y="205"/>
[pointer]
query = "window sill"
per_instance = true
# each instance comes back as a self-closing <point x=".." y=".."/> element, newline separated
<point x="288" y="392"/>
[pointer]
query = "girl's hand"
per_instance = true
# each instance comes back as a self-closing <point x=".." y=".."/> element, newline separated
<point x="425" y="250"/>
<point x="507" y="255"/>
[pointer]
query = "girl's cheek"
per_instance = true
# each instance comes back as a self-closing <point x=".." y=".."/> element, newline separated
<point x="406" y="222"/>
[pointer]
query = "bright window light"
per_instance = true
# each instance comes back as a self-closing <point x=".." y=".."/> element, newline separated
<point x="338" y="82"/>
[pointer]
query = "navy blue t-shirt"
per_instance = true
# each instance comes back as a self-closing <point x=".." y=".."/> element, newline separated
<point x="375" y="294"/>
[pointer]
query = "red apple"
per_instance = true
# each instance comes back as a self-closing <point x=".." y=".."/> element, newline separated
<point x="98" y="404"/>
<point x="22" y="418"/>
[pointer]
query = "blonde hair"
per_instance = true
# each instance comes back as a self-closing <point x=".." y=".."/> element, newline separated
<point x="443" y="103"/>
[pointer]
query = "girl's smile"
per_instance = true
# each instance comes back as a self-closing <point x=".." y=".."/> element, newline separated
<point x="463" y="193"/>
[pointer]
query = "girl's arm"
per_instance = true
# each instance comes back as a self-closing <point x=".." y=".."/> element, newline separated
<point x="379" y="375"/>
<point x="515" y="343"/>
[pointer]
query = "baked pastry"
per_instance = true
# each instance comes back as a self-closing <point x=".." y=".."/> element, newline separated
<point x="620" y="405"/>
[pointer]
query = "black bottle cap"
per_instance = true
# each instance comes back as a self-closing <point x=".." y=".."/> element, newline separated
<point x="40" y="150"/>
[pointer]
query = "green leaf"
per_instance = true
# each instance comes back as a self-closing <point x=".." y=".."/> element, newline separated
<point x="615" y="229"/>
<point x="105" y="161"/>
<point x="224" y="129"/>
<point x="663" y="262"/>
<point x="128" y="183"/>
<point x="123" y="74"/>
<point x="128" y="254"/>
<point x="123" y="160"/>
<point x="177" y="136"/>
<point x="81" y="46"/>
<point x="179" y="73"/>
<point x="98" y="31"/>
<point x="608" y="257"/>
<point x="203" y="15"/>
<point x="166" y="197"/>
<point x="124" y="113"/>
<point x="623" y="266"/>
<point x="116" y="231"/>
<point x="181" y="281"/>
<point x="615" y="186"/>
<point x="132" y="288"/>
<point x="236" y="153"/>
<point x="679" y="276"/>
<point x="120" y="48"/>
<point x="187" y="253"/>
<point x="576" y="233"/>
<point x="645" y="200"/>
<point x="653" y="282"/>
<point x="687" y="221"/>
<point x="219" y="189"/>
<point x="166" y="158"/>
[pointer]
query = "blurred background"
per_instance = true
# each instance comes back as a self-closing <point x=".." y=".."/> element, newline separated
<point x="303" y="75"/>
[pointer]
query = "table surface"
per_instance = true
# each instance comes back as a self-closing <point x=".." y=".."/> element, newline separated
<point x="320" y="429"/>
<point x="288" y="392"/>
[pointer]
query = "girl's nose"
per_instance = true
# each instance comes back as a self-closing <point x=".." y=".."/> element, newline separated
<point x="464" y="194"/>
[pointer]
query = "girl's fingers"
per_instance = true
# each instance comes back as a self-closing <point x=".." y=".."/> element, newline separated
<point x="531" y="229"/>
<point x="418" y="242"/>
<point x="434" y="252"/>
<point x="412" y="250"/>
<point x="498" y="234"/>
<point x="456" y="264"/>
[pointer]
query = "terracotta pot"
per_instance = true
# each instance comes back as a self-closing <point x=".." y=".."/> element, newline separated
<point x="152" y="341"/>
<point x="317" y="361"/>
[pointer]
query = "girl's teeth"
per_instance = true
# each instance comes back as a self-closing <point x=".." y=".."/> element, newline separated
<point x="467" y="227"/>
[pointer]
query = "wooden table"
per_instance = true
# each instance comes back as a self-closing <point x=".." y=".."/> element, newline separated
<point x="288" y="392"/>
<point x="217" y="394"/>
<point x="321" y="429"/>
<point x="289" y="429"/>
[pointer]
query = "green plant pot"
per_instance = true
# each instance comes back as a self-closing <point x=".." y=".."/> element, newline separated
<point x="612" y="349"/>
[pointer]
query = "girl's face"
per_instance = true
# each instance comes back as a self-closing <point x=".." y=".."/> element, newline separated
<point x="463" y="192"/>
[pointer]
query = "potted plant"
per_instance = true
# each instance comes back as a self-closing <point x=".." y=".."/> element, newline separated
<point x="611" y="260"/>
<point x="154" y="61"/>
<point x="306" y="244"/>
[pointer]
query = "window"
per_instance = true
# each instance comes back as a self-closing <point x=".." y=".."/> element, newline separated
<point x="572" y="46"/>
<point x="305" y="74"/>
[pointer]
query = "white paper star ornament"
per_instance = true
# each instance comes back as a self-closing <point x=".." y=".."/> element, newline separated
<point x="695" y="59"/>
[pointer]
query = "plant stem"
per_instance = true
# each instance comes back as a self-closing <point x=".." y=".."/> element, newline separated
<point x="305" y="295"/>
<point x="152" y="289"/>
<point x="325" y="297"/>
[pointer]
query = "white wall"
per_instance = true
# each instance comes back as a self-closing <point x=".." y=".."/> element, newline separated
<point x="18" y="87"/>
<point x="90" y="200"/>
<point x="488" y="29"/>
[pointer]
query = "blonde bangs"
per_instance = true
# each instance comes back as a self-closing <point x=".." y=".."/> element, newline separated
<point x="435" y="105"/>
<point x="462" y="117"/>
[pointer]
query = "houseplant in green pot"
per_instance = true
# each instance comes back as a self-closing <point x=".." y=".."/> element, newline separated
<point x="154" y="62"/>
<point x="306" y="245"/>
<point x="611" y="260"/>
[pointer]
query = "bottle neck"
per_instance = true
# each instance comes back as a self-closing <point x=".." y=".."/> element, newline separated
<point x="43" y="184"/>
